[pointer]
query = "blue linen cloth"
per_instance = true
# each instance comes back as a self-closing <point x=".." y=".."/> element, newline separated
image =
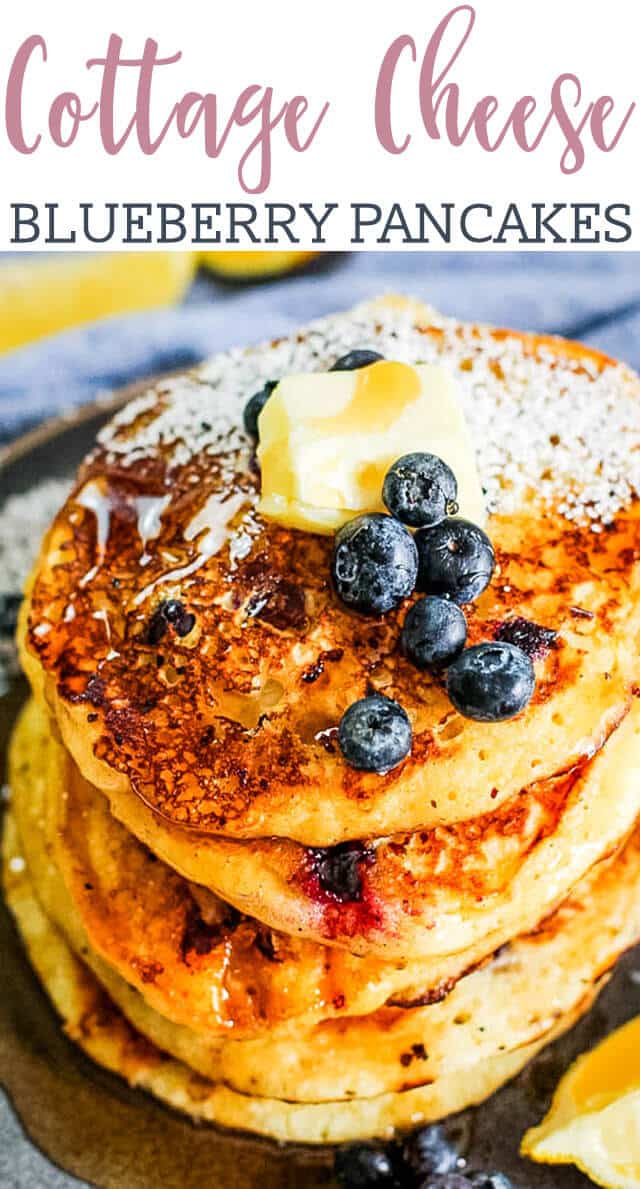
<point x="591" y="296"/>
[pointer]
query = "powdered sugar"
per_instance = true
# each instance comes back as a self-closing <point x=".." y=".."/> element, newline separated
<point x="24" y="520"/>
<point x="568" y="430"/>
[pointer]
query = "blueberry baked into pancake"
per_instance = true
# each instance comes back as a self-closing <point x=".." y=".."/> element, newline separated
<point x="333" y="755"/>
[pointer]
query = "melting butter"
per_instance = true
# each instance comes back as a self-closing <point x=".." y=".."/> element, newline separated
<point x="328" y="439"/>
<point x="381" y="394"/>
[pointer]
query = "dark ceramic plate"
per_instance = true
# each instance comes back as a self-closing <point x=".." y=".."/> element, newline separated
<point x="64" y="1119"/>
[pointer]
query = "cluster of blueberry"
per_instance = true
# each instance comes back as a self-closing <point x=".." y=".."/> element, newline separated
<point x="424" y="1160"/>
<point x="378" y="562"/>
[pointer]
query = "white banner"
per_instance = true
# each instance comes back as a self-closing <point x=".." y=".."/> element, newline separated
<point x="487" y="125"/>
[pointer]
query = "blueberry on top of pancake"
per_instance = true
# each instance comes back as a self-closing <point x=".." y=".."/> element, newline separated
<point x="219" y="730"/>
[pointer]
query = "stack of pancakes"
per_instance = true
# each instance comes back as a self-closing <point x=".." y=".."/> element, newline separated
<point x="221" y="909"/>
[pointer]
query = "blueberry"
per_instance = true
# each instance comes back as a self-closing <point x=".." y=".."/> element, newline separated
<point x="420" y="490"/>
<point x="374" y="563"/>
<point x="254" y="407"/>
<point x="491" y="682"/>
<point x="358" y="1166"/>
<point x="456" y="560"/>
<point x="176" y="614"/>
<point x="338" y="869"/>
<point x="354" y="360"/>
<point x="533" y="639"/>
<point x="375" y="734"/>
<point x="428" y="1151"/>
<point x="170" y="612"/>
<point x="489" y="1180"/>
<point x="434" y="633"/>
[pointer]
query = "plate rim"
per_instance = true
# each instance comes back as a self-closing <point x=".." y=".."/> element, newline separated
<point x="51" y="427"/>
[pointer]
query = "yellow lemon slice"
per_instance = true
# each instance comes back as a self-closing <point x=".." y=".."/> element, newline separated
<point x="253" y="266"/>
<point x="41" y="296"/>
<point x="594" y="1121"/>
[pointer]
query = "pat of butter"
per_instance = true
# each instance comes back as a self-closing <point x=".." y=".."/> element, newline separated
<point x="327" y="440"/>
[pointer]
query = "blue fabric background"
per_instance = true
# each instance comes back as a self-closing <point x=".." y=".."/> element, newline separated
<point x="590" y="296"/>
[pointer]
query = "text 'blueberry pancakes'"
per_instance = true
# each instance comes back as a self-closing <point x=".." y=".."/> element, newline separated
<point x="334" y="753"/>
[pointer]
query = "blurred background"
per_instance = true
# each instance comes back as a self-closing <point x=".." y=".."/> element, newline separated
<point x="73" y="327"/>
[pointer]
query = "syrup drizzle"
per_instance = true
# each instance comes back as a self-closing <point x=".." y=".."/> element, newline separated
<point x="211" y="524"/>
<point x="148" y="512"/>
<point x="94" y="500"/>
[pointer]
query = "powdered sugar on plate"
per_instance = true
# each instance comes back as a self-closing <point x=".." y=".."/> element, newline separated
<point x="24" y="519"/>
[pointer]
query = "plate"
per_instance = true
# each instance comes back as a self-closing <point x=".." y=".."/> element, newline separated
<point x="65" y="1122"/>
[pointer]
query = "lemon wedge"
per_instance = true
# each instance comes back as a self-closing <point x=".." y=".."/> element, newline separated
<point x="594" y="1121"/>
<point x="252" y="266"/>
<point x="41" y="296"/>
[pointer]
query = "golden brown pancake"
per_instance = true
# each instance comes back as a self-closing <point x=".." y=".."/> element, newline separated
<point x="345" y="1079"/>
<point x="178" y="794"/>
<point x="228" y="729"/>
<point x="424" y="895"/>
<point x="200" y="964"/>
<point x="188" y="954"/>
<point x="91" y="1019"/>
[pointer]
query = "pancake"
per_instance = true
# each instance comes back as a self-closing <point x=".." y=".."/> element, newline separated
<point x="177" y="789"/>
<point x="497" y="1005"/>
<point x="229" y="729"/>
<point x="200" y="964"/>
<point x="185" y="953"/>
<point x="425" y="895"/>
<point x="93" y="1022"/>
<point x="466" y="1046"/>
<point x="191" y="957"/>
